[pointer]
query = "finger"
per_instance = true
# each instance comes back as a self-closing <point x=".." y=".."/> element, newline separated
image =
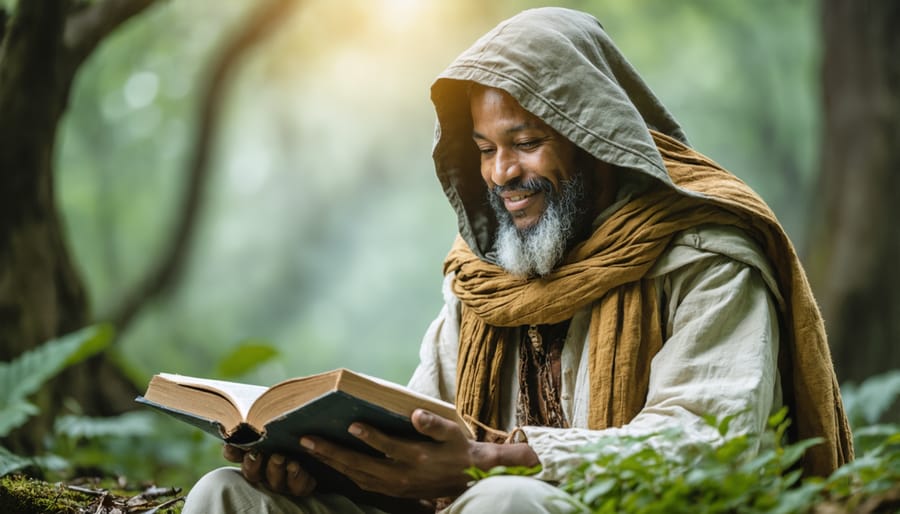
<point x="390" y="447"/>
<point x="251" y="467"/>
<point x="355" y="465"/>
<point x="275" y="472"/>
<point x="232" y="453"/>
<point x="299" y="482"/>
<point x="436" y="427"/>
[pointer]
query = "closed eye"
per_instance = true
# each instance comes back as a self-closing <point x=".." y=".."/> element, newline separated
<point x="530" y="144"/>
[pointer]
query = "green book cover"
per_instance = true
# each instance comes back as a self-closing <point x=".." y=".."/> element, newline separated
<point x="327" y="415"/>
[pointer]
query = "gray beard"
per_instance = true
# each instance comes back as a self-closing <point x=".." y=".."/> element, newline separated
<point x="536" y="250"/>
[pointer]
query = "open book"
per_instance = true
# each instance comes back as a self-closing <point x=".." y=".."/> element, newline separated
<point x="324" y="404"/>
<point x="272" y="419"/>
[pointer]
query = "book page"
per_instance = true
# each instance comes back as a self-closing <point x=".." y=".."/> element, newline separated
<point x="241" y="395"/>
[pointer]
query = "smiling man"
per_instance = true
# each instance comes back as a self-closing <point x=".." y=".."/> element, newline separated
<point x="607" y="280"/>
<point x="538" y="188"/>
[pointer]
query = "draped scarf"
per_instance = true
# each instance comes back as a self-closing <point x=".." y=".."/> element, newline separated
<point x="607" y="273"/>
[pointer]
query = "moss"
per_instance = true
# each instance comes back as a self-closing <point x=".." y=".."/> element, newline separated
<point x="24" y="495"/>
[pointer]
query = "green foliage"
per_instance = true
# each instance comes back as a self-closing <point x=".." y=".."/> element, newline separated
<point x="246" y="357"/>
<point x="24" y="495"/>
<point x="83" y="427"/>
<point x="137" y="444"/>
<point x="869" y="401"/>
<point x="25" y="375"/>
<point x="10" y="462"/>
<point x="28" y="372"/>
<point x="638" y="475"/>
<point x="632" y="474"/>
<point x="480" y="474"/>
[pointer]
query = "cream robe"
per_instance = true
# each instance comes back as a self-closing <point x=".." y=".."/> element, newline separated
<point x="719" y="356"/>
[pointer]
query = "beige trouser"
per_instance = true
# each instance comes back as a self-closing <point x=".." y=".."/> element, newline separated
<point x="224" y="491"/>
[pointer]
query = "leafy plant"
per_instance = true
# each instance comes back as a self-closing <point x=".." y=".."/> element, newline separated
<point x="134" y="444"/>
<point x="143" y="443"/>
<point x="867" y="405"/>
<point x="28" y="372"/>
<point x="633" y="475"/>
<point x="629" y="474"/>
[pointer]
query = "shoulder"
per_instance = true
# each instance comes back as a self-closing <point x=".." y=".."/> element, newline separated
<point x="707" y="245"/>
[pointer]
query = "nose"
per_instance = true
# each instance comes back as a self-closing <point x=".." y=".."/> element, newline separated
<point x="505" y="167"/>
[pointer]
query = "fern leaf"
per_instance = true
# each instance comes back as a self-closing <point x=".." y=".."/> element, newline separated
<point x="15" y="414"/>
<point x="129" y="424"/>
<point x="28" y="372"/>
<point x="10" y="462"/>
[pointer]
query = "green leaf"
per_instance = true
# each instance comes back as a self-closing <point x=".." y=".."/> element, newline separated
<point x="14" y="415"/>
<point x="778" y="418"/>
<point x="28" y="372"/>
<point x="247" y="356"/>
<point x="83" y="427"/>
<point x="793" y="452"/>
<point x="869" y="401"/>
<point x="10" y="462"/>
<point x="598" y="490"/>
<point x="94" y="339"/>
<point x="725" y="424"/>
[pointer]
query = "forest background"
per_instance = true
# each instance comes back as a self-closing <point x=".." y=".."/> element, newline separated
<point x="314" y="236"/>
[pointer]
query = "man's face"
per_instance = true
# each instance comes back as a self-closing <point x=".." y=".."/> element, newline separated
<point x="523" y="160"/>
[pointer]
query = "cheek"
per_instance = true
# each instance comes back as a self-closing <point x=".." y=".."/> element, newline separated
<point x="486" y="174"/>
<point x="550" y="168"/>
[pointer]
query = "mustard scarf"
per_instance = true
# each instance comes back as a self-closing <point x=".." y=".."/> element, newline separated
<point x="607" y="273"/>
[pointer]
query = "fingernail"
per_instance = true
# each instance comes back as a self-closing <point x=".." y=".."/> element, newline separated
<point x="355" y="429"/>
<point x="277" y="458"/>
<point x="307" y="443"/>
<point x="252" y="455"/>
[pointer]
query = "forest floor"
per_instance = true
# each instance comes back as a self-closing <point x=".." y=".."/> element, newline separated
<point x="24" y="495"/>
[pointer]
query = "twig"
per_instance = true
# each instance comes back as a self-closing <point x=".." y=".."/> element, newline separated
<point x="88" y="26"/>
<point x="87" y="490"/>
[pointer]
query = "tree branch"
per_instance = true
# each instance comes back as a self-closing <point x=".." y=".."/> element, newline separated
<point x="3" y="17"/>
<point x="86" y="27"/>
<point x="168" y="267"/>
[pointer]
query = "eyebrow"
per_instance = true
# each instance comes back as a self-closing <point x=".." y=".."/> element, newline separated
<point x="516" y="128"/>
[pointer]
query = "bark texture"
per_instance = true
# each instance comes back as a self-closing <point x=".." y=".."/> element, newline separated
<point x="41" y="292"/>
<point x="854" y="256"/>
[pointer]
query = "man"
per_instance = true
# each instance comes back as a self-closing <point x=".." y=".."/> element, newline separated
<point x="607" y="280"/>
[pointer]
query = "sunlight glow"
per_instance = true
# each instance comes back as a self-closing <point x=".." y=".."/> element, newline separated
<point x="400" y="14"/>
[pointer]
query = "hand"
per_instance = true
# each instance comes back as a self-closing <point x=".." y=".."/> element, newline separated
<point x="417" y="469"/>
<point x="273" y="471"/>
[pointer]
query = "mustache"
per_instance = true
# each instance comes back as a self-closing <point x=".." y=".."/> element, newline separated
<point x="533" y="185"/>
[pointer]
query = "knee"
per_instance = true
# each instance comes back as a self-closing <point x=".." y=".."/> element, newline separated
<point x="510" y="495"/>
<point x="215" y="488"/>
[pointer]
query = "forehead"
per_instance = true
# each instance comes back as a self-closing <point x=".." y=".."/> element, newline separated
<point x="491" y="105"/>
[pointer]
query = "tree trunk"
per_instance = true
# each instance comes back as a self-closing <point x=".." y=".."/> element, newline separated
<point x="855" y="249"/>
<point x="41" y="292"/>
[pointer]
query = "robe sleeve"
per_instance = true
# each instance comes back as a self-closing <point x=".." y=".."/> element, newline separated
<point x="436" y="373"/>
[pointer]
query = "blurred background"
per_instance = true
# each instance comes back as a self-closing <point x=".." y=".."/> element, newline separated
<point x="315" y="238"/>
<point x="323" y="227"/>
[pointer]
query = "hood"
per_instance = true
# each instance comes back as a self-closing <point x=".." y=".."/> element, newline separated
<point x="561" y="66"/>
